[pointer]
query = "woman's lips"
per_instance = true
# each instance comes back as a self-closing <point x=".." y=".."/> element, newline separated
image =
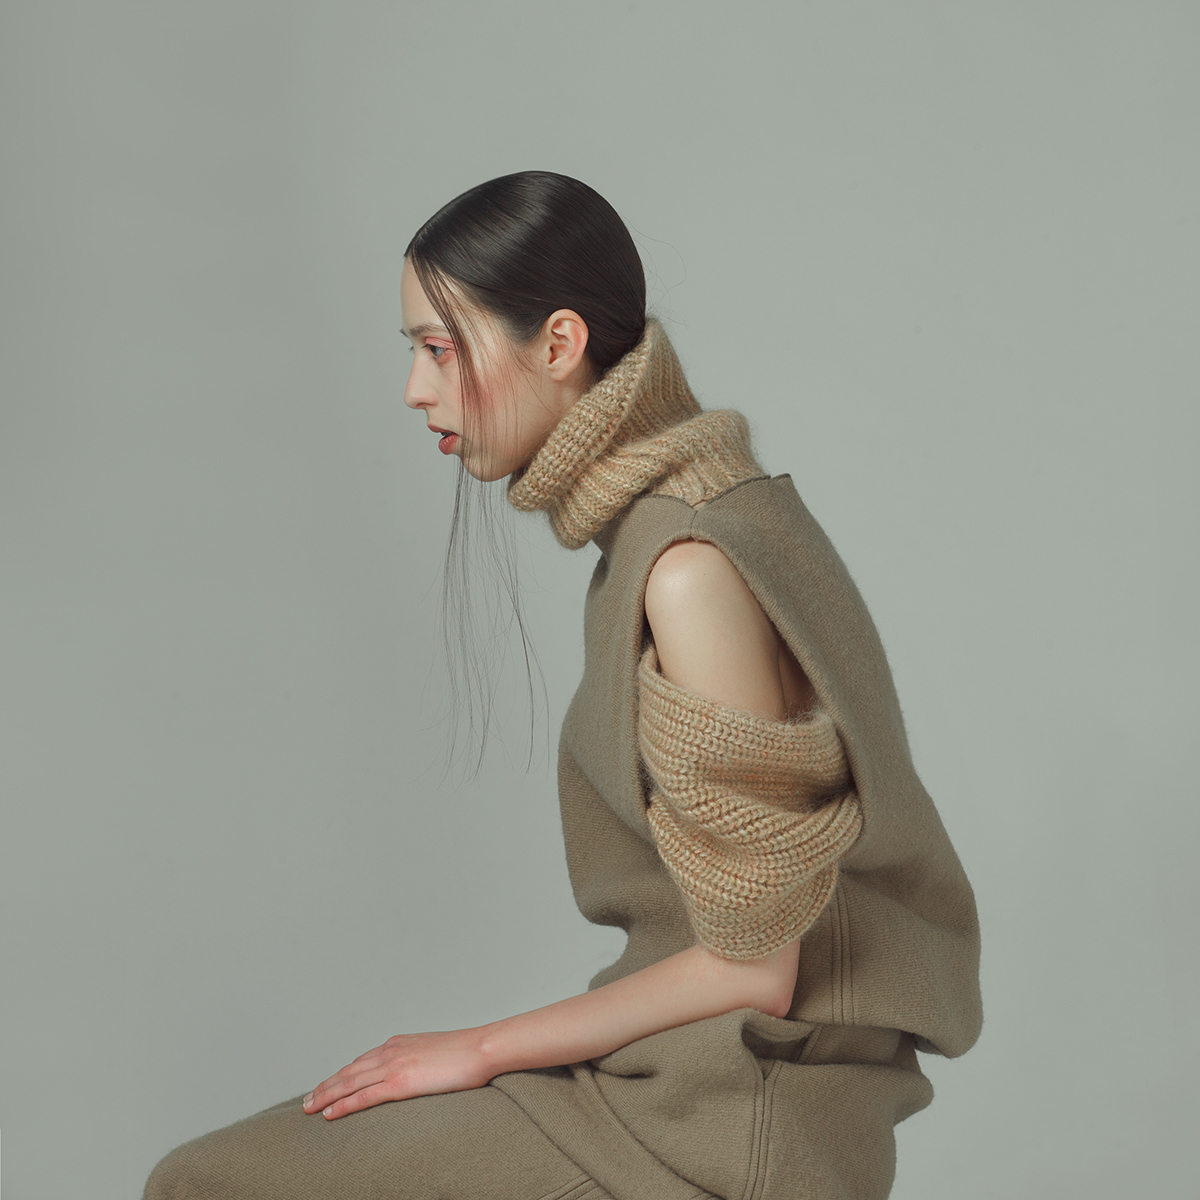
<point x="447" y="442"/>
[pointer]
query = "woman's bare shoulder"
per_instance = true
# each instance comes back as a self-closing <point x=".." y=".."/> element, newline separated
<point x="711" y="634"/>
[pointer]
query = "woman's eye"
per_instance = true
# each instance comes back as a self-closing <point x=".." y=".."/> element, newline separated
<point x="437" y="350"/>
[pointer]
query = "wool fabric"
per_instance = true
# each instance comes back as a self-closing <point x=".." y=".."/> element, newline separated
<point x="755" y="871"/>
<point x="639" y="428"/>
<point x="742" y="1104"/>
<point x="750" y="815"/>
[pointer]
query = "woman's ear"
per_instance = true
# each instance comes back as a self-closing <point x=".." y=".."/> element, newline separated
<point x="565" y="346"/>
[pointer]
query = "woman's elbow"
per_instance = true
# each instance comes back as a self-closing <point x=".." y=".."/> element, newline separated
<point x="776" y="993"/>
<point x="778" y="1004"/>
<point x="768" y="983"/>
<point x="779" y="981"/>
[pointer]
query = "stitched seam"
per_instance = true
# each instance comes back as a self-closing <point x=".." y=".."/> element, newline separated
<point x="847" y="971"/>
<point x="835" y="957"/>
<point x="570" y="1190"/>
<point x="757" y="1179"/>
<point x="845" y="1003"/>
<point x="838" y="1007"/>
<point x="588" y="1190"/>
<point x="732" y="487"/>
<point x="593" y="1192"/>
<point x="756" y="1130"/>
<point x="776" y="1075"/>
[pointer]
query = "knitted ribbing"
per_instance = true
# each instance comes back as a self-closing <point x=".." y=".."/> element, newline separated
<point x="637" y="428"/>
<point x="750" y="815"/>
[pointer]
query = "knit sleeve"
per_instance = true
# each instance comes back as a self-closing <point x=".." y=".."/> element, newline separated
<point x="750" y="815"/>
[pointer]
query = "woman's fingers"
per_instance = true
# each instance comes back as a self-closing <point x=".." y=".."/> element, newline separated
<point x="337" y="1087"/>
<point x="404" y="1066"/>
<point x="363" y="1098"/>
<point x="365" y="1070"/>
<point x="346" y="1093"/>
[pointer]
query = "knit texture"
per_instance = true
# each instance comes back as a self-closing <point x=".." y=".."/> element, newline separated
<point x="637" y="429"/>
<point x="750" y="815"/>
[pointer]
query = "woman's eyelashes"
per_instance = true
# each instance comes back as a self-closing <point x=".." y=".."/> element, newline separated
<point x="437" y="350"/>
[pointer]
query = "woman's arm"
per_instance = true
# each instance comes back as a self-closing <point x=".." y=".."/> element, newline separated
<point x="713" y="638"/>
<point x="685" y="987"/>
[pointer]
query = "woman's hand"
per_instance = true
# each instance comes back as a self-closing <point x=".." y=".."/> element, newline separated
<point x="407" y="1065"/>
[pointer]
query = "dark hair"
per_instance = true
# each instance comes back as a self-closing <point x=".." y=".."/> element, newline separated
<point x="517" y="248"/>
<point x="521" y="246"/>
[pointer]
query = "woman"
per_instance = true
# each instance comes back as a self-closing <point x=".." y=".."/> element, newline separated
<point x="736" y="790"/>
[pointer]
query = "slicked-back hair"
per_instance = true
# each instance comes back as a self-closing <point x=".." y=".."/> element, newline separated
<point x="514" y="249"/>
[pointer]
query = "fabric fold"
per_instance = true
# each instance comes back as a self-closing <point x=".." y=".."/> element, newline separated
<point x="750" y="815"/>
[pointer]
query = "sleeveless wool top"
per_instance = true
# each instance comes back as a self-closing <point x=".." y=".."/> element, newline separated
<point x="889" y="962"/>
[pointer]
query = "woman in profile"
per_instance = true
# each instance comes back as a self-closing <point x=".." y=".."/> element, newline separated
<point x="736" y="787"/>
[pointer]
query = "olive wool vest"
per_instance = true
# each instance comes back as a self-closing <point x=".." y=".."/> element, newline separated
<point x="740" y="1105"/>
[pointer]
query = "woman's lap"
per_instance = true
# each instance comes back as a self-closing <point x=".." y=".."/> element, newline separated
<point x="475" y="1145"/>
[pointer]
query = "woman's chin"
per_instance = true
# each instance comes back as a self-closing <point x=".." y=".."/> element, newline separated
<point x="489" y="472"/>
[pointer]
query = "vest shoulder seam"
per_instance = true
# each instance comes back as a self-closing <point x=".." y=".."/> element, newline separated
<point x="733" y="487"/>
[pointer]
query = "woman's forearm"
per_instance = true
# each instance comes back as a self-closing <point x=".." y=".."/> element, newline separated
<point x="685" y="987"/>
<point x="688" y="986"/>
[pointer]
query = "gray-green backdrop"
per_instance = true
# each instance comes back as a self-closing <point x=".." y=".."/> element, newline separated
<point x="944" y="257"/>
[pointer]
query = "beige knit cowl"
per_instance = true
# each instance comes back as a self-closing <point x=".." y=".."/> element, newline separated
<point x="750" y="815"/>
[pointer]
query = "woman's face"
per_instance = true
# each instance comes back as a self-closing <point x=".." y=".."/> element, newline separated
<point x="520" y="406"/>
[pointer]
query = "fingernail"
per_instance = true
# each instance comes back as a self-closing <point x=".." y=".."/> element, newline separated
<point x="327" y="1111"/>
<point x="307" y="1100"/>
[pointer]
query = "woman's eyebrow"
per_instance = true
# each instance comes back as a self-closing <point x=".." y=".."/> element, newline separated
<point x="417" y="330"/>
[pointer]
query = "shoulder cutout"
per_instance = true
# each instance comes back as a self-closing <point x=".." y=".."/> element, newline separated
<point x="711" y="634"/>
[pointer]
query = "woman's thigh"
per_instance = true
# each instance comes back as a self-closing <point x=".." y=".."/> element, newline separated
<point x="476" y="1145"/>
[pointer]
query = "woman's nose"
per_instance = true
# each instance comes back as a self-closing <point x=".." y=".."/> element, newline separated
<point x="415" y="394"/>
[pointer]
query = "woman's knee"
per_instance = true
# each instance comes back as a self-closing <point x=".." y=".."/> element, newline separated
<point x="181" y="1175"/>
<point x="226" y="1163"/>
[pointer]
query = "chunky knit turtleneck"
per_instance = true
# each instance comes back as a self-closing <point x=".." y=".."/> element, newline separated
<point x="637" y="429"/>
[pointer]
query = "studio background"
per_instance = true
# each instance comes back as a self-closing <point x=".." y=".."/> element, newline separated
<point x="943" y="256"/>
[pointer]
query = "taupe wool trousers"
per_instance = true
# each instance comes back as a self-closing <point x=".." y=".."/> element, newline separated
<point x="476" y="1145"/>
<point x="704" y="1119"/>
